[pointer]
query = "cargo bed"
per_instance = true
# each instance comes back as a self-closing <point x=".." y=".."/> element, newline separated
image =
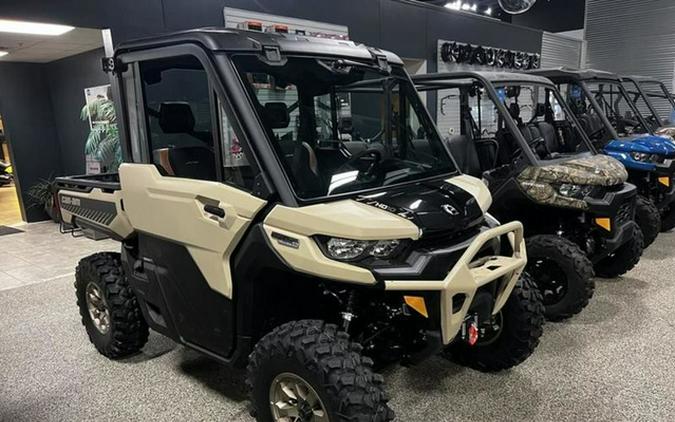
<point x="94" y="204"/>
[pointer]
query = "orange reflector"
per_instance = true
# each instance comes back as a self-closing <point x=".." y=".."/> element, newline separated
<point x="664" y="180"/>
<point x="605" y="223"/>
<point x="417" y="303"/>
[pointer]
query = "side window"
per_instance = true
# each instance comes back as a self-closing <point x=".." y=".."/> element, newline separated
<point x="237" y="168"/>
<point x="178" y="104"/>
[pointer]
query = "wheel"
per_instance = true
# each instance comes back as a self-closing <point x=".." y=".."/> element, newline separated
<point x="563" y="274"/>
<point x="511" y="337"/>
<point x="309" y="371"/>
<point x="668" y="218"/>
<point x="623" y="259"/>
<point x="109" y="309"/>
<point x="647" y="216"/>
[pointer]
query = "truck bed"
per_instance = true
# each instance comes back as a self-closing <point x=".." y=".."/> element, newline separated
<point x="94" y="204"/>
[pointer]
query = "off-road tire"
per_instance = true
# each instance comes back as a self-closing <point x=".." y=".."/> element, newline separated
<point x="523" y="320"/>
<point x="668" y="219"/>
<point x="647" y="216"/>
<point x="128" y="331"/>
<point x="324" y="357"/>
<point x="623" y="259"/>
<point x="576" y="266"/>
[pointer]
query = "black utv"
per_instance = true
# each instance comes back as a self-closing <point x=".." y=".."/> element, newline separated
<point x="515" y="132"/>
<point x="618" y="128"/>
<point x="286" y="203"/>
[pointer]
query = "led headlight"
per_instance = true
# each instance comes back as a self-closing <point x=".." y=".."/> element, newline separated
<point x="640" y="156"/>
<point x="574" y="191"/>
<point x="349" y="249"/>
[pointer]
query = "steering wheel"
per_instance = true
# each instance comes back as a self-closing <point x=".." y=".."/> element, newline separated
<point x="377" y="157"/>
<point x="533" y="144"/>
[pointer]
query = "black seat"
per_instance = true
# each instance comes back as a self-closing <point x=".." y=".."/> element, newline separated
<point x="547" y="131"/>
<point x="192" y="162"/>
<point x="464" y="151"/>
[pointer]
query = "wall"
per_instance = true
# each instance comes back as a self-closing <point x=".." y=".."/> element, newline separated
<point x="25" y="106"/>
<point x="408" y="28"/>
<point x="632" y="36"/>
<point x="553" y="15"/>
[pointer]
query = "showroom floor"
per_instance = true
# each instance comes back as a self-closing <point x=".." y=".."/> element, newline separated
<point x="612" y="362"/>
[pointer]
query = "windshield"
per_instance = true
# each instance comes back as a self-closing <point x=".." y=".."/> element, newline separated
<point x="661" y="100"/>
<point x="619" y="109"/>
<point x="340" y="126"/>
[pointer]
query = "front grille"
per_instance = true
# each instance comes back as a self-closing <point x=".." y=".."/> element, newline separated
<point x="444" y="238"/>
<point x="625" y="213"/>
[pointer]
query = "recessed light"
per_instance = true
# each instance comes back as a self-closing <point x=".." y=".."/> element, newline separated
<point x="22" y="27"/>
<point x="4" y="53"/>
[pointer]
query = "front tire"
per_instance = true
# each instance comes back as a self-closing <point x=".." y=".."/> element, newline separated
<point x="668" y="219"/>
<point x="623" y="259"/>
<point x="562" y="272"/>
<point x="647" y="216"/>
<point x="521" y="321"/>
<point x="309" y="368"/>
<point x="109" y="309"/>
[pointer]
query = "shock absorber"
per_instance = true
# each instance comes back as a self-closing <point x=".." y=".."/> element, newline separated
<point x="348" y="314"/>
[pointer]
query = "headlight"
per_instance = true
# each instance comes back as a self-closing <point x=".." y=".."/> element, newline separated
<point x="575" y="191"/>
<point x="350" y="249"/>
<point x="647" y="158"/>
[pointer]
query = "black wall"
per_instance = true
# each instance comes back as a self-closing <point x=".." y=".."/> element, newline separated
<point x="408" y="28"/>
<point x="26" y="109"/>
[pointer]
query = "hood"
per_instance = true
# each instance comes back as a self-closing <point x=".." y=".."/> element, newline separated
<point x="649" y="144"/>
<point x="439" y="206"/>
<point x="592" y="170"/>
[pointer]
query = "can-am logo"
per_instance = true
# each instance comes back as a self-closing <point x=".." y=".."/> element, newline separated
<point x="449" y="209"/>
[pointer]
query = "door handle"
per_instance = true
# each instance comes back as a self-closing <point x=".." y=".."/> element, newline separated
<point x="215" y="210"/>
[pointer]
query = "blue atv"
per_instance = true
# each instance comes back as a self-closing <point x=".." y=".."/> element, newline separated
<point x="616" y="126"/>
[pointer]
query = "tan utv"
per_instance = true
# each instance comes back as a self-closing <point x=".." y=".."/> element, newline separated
<point x="287" y="204"/>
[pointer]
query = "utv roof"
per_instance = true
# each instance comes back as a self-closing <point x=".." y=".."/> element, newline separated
<point x="238" y="40"/>
<point x="575" y="74"/>
<point x="494" y="77"/>
<point x="638" y="79"/>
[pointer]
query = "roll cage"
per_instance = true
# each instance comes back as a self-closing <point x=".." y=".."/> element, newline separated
<point x="640" y="91"/>
<point x="488" y="80"/>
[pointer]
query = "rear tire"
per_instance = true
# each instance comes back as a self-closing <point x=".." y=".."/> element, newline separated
<point x="522" y="319"/>
<point x="562" y="272"/>
<point x="647" y="216"/>
<point x="109" y="309"/>
<point x="318" y="355"/>
<point x="668" y="218"/>
<point x="623" y="259"/>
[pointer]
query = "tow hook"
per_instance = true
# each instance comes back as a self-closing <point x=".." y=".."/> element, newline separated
<point x="470" y="333"/>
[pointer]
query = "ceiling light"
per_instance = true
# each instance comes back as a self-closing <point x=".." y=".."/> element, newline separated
<point x="4" y="53"/>
<point x="466" y="6"/>
<point x="455" y="5"/>
<point x="21" y="27"/>
<point x="488" y="11"/>
<point x="474" y="7"/>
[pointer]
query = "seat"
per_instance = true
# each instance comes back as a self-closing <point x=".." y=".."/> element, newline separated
<point x="192" y="162"/>
<point x="547" y="131"/>
<point x="464" y="151"/>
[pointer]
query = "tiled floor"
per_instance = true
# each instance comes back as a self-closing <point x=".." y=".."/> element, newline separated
<point x="41" y="253"/>
<point x="9" y="206"/>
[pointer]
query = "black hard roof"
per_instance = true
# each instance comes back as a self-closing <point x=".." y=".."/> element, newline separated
<point x="233" y="40"/>
<point x="494" y="77"/>
<point x="575" y="74"/>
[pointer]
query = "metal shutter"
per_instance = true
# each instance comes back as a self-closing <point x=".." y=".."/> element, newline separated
<point x="632" y="37"/>
<point x="558" y="50"/>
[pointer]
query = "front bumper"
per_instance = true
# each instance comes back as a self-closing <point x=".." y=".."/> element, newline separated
<point x="665" y="183"/>
<point x="618" y="209"/>
<point x="469" y="274"/>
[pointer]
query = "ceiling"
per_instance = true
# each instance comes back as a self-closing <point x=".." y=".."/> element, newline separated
<point x="497" y="12"/>
<point x="44" y="49"/>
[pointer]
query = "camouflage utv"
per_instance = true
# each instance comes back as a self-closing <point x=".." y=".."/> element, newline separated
<point x="515" y="132"/>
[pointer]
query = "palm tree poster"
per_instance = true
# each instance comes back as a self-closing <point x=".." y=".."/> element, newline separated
<point x="102" y="148"/>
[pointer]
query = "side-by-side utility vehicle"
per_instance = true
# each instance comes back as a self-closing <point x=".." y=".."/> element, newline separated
<point x="515" y="132"/>
<point x="286" y="203"/>
<point x="655" y="102"/>
<point x="617" y="127"/>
